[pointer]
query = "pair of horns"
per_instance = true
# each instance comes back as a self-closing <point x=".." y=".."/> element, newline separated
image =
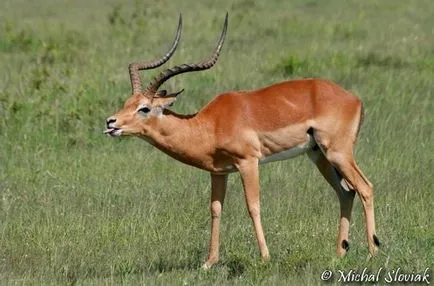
<point x="153" y="86"/>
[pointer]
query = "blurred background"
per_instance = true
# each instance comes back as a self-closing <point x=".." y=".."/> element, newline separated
<point x="78" y="207"/>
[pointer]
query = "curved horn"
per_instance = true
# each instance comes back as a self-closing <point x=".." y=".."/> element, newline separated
<point x="134" y="68"/>
<point x="203" y="65"/>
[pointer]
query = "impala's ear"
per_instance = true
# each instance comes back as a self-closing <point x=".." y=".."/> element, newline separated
<point x="163" y="102"/>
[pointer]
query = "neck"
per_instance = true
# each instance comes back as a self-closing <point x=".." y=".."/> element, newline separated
<point x="181" y="137"/>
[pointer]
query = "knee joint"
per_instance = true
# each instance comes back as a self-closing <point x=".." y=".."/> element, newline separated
<point x="254" y="211"/>
<point x="216" y="209"/>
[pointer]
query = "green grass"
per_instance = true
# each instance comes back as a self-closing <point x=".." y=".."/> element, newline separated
<point x="78" y="207"/>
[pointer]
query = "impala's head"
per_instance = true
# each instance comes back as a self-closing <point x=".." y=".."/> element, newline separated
<point x="144" y="108"/>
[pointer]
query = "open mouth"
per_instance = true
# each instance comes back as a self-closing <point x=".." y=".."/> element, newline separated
<point x="113" y="131"/>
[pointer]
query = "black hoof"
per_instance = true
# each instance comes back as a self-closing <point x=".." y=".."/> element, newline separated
<point x="376" y="240"/>
<point x="345" y="245"/>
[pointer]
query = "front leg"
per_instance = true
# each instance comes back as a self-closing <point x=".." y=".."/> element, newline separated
<point x="218" y="192"/>
<point x="249" y="171"/>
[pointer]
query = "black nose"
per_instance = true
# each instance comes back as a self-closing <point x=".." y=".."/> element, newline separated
<point x="109" y="121"/>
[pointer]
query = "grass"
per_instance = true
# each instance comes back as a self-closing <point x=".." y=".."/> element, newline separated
<point x="77" y="207"/>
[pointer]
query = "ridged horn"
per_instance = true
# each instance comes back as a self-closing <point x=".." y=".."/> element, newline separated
<point x="134" y="68"/>
<point x="203" y="65"/>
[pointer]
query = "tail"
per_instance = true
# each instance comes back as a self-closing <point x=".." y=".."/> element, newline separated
<point x="362" y="117"/>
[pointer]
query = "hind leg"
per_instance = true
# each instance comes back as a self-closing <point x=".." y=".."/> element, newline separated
<point x="342" y="159"/>
<point x="345" y="195"/>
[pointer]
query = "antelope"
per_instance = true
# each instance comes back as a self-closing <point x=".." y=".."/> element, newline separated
<point x="238" y="130"/>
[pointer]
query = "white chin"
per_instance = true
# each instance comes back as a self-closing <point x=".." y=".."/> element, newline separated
<point x="113" y="132"/>
<point x="117" y="132"/>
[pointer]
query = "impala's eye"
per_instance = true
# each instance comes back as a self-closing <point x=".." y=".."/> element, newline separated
<point x="144" y="109"/>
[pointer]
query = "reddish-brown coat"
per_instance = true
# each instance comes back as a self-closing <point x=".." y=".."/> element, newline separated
<point x="239" y="129"/>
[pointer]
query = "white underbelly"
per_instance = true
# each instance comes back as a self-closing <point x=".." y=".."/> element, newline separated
<point x="284" y="155"/>
<point x="289" y="153"/>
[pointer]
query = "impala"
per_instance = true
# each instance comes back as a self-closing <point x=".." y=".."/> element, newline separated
<point x="238" y="130"/>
